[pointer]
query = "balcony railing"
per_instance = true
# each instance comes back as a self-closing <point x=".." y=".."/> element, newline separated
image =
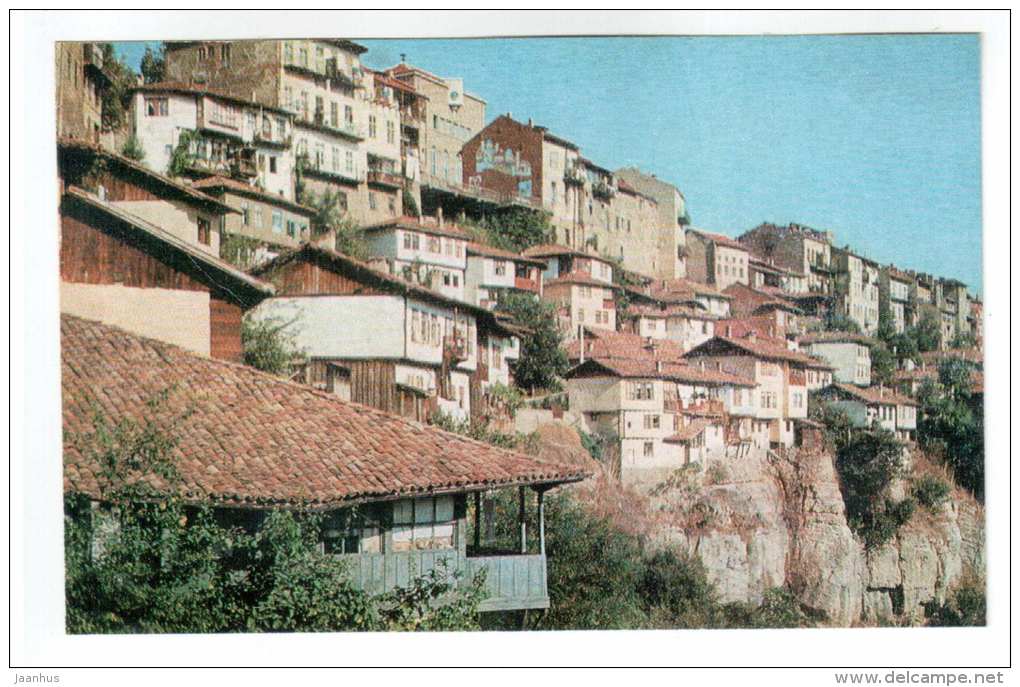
<point x="526" y="284"/>
<point x="511" y="582"/>
<point x="384" y="178"/>
<point x="479" y="193"/>
<point x="573" y="176"/>
<point x="603" y="190"/>
<point x="263" y="139"/>
<point x="456" y="345"/>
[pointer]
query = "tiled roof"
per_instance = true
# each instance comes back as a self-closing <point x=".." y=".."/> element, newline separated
<point x="213" y="266"/>
<point x="248" y="438"/>
<point x="720" y="239"/>
<point x="654" y="311"/>
<point x="171" y="186"/>
<point x="747" y="301"/>
<point x="972" y="355"/>
<point x="837" y="337"/>
<point x="874" y="395"/>
<point x="682" y="289"/>
<point x="549" y="250"/>
<point x="232" y="185"/>
<point x="474" y="248"/>
<point x="645" y="368"/>
<point x="763" y="327"/>
<point x="603" y="343"/>
<point x="769" y="349"/>
<point x="415" y="224"/>
<point x="579" y="278"/>
<point x="688" y="432"/>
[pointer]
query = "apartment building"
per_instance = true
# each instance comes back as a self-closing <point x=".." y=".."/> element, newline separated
<point x="561" y="259"/>
<point x="687" y="325"/>
<point x="339" y="122"/>
<point x="605" y="343"/>
<point x="716" y="259"/>
<point x="682" y="292"/>
<point x="492" y="272"/>
<point x="222" y="135"/>
<point x="80" y="82"/>
<point x="408" y="349"/>
<point x="452" y="116"/>
<point x="655" y="410"/>
<point x="894" y="297"/>
<point x="769" y="277"/>
<point x="849" y="354"/>
<point x="796" y="247"/>
<point x="422" y="250"/>
<point x="875" y="408"/>
<point x="580" y="301"/>
<point x="855" y="289"/>
<point x="672" y="220"/>
<point x="779" y="375"/>
<point x="590" y="209"/>
<point x="781" y="313"/>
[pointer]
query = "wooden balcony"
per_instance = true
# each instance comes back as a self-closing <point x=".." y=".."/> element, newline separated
<point x="379" y="177"/>
<point x="456" y="347"/>
<point x="526" y="284"/>
<point x="511" y="582"/>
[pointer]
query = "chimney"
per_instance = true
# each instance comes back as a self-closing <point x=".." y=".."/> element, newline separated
<point x="403" y="58"/>
<point x="530" y="123"/>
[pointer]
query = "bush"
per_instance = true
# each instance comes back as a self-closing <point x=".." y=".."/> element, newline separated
<point x="676" y="592"/>
<point x="268" y="346"/>
<point x="966" y="607"/>
<point x="779" y="608"/>
<point x="930" y="492"/>
<point x="542" y="360"/>
<point x="132" y="149"/>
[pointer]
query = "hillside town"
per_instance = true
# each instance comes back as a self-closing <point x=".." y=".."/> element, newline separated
<point x="430" y="275"/>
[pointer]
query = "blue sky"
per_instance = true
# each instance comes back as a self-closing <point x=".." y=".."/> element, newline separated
<point x="876" y="138"/>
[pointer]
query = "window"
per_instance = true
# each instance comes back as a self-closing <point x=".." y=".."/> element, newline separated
<point x="649" y="450"/>
<point x="343" y="532"/>
<point x="500" y="268"/>
<point x="288" y="97"/>
<point x="372" y="202"/>
<point x="291" y="228"/>
<point x="411" y="240"/>
<point x="348" y="114"/>
<point x="157" y="107"/>
<point x="245" y="217"/>
<point x="277" y="222"/>
<point x="392" y="204"/>
<point x="434" y="245"/>
<point x="272" y="164"/>
<point x="225" y="54"/>
<point x="349" y="162"/>
<point x="204" y="231"/>
<point x="652" y="422"/>
<point x="391" y="132"/>
<point x="334" y="115"/>
<point x="336" y="159"/>
<point x="259" y="219"/>
<point x="288" y="53"/>
<point x="303" y="57"/>
<point x="371" y="126"/>
<point x="640" y="391"/>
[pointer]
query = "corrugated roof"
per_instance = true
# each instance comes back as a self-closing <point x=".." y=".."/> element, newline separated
<point x="251" y="439"/>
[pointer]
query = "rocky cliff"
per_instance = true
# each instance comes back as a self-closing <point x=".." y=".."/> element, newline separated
<point x="767" y="519"/>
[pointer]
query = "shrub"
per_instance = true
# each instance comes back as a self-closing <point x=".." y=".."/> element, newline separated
<point x="542" y="359"/>
<point x="132" y="149"/>
<point x="966" y="607"/>
<point x="717" y="473"/>
<point x="268" y="346"/>
<point x="930" y="492"/>
<point x="676" y="592"/>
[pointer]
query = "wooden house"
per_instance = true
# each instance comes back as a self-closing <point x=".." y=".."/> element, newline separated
<point x="395" y="492"/>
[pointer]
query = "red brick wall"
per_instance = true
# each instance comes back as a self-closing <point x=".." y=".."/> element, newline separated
<point x="507" y="134"/>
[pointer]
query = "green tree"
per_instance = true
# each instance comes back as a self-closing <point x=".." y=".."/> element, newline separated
<point x="542" y="360"/>
<point x="966" y="607"/>
<point x="182" y="156"/>
<point x="676" y="591"/>
<point x="951" y="426"/>
<point x="133" y="149"/>
<point x="927" y="333"/>
<point x="153" y="64"/>
<point x="930" y="492"/>
<point x="410" y="205"/>
<point x="268" y="346"/>
<point x="867" y="463"/>
<point x="116" y="97"/>
<point x="883" y="364"/>
<point x="838" y="322"/>
<point x="330" y="216"/>
<point x="513" y="228"/>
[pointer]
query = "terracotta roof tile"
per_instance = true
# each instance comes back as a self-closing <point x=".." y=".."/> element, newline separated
<point x="769" y="349"/>
<point x="218" y="182"/>
<point x="689" y="431"/>
<point x="416" y="224"/>
<point x="475" y="248"/>
<point x="581" y="278"/>
<point x="250" y="438"/>
<point x="720" y="239"/>
<point x="875" y="395"/>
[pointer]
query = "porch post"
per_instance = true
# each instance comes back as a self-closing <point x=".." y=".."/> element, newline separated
<point x="524" y="526"/>
<point x="478" y="521"/>
<point x="541" y="522"/>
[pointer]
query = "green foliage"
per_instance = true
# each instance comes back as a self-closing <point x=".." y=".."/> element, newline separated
<point x="329" y="216"/>
<point x="838" y="322"/>
<point x="410" y="205"/>
<point x="117" y="97"/>
<point x="268" y="346"/>
<point x="153" y="65"/>
<point x="930" y="492"/>
<point x="716" y="473"/>
<point x="952" y="427"/>
<point x="435" y="602"/>
<point x="927" y="334"/>
<point x="883" y="364"/>
<point x="904" y="346"/>
<point x="239" y="250"/>
<point x="868" y="462"/>
<point x="141" y="560"/>
<point x="779" y="608"/>
<point x="542" y="360"/>
<point x="133" y="149"/>
<point x="966" y="607"/>
<point x="182" y="158"/>
<point x="676" y="592"/>
<point x="963" y="340"/>
<point x="602" y="446"/>
<point x="512" y="228"/>
<point x="509" y="396"/>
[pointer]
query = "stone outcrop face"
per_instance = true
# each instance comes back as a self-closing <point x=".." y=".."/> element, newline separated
<point x="778" y="518"/>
